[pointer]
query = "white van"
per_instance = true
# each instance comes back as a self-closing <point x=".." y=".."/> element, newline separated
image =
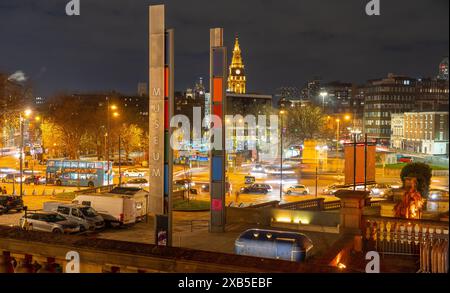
<point x="139" y="195"/>
<point x="113" y="209"/>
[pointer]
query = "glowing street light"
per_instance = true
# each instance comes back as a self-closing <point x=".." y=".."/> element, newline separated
<point x="323" y="95"/>
<point x="337" y="133"/>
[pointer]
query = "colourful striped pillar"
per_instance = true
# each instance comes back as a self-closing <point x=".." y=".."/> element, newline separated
<point x="218" y="77"/>
<point x="168" y="114"/>
<point x="161" y="84"/>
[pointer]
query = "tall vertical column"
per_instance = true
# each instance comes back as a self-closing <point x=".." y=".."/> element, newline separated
<point x="161" y="84"/>
<point x="218" y="78"/>
<point x="168" y="114"/>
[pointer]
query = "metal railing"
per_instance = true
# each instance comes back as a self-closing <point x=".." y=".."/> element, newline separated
<point x="402" y="236"/>
<point x="310" y="204"/>
<point x="99" y="189"/>
<point x="316" y="204"/>
<point x="273" y="204"/>
<point x="332" y="205"/>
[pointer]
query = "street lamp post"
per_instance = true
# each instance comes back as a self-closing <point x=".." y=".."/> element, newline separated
<point x="323" y="95"/>
<point x="281" y="155"/>
<point x="21" y="155"/>
<point x="338" y="121"/>
<point x="120" y="163"/>
<point x="21" y="118"/>
<point x="108" y="134"/>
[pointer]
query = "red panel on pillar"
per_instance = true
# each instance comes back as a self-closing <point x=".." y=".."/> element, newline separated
<point x="218" y="89"/>
<point x="166" y="82"/>
<point x="166" y="114"/>
<point x="217" y="110"/>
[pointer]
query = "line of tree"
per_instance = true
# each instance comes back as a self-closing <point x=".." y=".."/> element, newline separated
<point x="73" y="128"/>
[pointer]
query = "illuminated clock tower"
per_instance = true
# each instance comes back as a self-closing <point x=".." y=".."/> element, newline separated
<point x="236" y="77"/>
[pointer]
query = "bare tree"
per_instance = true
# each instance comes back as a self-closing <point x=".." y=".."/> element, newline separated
<point x="304" y="122"/>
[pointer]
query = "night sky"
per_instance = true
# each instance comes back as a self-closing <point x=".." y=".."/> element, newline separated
<point x="284" y="43"/>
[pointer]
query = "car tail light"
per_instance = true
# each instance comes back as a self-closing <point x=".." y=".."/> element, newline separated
<point x="121" y="217"/>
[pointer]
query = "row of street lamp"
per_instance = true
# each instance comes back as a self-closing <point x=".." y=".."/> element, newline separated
<point x="27" y="114"/>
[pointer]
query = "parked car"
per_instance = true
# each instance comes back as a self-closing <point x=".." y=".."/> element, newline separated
<point x="11" y="178"/>
<point x="138" y="182"/>
<point x="48" y="222"/>
<point x="297" y="189"/>
<point x="380" y="190"/>
<point x="184" y="183"/>
<point x="35" y="179"/>
<point x="228" y="187"/>
<point x="331" y="190"/>
<point x="11" y="202"/>
<point x="134" y="173"/>
<point x="85" y="216"/>
<point x="114" y="209"/>
<point x="438" y="194"/>
<point x="257" y="188"/>
<point x="124" y="162"/>
<point x="258" y="168"/>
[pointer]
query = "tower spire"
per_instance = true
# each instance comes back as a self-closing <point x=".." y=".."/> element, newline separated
<point x="236" y="77"/>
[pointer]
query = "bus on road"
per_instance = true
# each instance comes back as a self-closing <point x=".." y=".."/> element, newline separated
<point x="79" y="173"/>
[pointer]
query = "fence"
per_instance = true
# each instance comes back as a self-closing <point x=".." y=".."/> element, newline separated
<point x="427" y="239"/>
<point x="317" y="204"/>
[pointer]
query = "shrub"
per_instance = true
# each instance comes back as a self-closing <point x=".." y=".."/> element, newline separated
<point x="422" y="172"/>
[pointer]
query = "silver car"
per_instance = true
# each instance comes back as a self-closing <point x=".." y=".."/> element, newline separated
<point x="85" y="216"/>
<point x="48" y="222"/>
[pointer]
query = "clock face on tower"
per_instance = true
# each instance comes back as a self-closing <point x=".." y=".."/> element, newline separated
<point x="237" y="71"/>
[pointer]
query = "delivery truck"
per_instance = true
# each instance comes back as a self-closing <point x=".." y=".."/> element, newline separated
<point x="116" y="210"/>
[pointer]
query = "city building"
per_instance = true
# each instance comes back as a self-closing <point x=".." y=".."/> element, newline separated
<point x="245" y="104"/>
<point x="426" y="132"/>
<point x="383" y="97"/>
<point x="432" y="94"/>
<point x="310" y="92"/>
<point x="397" y="131"/>
<point x="236" y="77"/>
<point x="338" y="98"/>
<point x="443" y="69"/>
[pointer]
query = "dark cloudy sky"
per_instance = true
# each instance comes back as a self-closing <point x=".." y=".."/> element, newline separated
<point x="284" y="42"/>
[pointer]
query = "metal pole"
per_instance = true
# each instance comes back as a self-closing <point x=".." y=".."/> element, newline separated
<point x="317" y="178"/>
<point x="21" y="155"/>
<point x="281" y="163"/>
<point x="354" y="162"/>
<point x="108" y="122"/>
<point x="365" y="162"/>
<point x="120" y="164"/>
<point x="337" y="135"/>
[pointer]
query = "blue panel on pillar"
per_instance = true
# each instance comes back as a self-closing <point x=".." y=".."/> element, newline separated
<point x="166" y="179"/>
<point x="217" y="169"/>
